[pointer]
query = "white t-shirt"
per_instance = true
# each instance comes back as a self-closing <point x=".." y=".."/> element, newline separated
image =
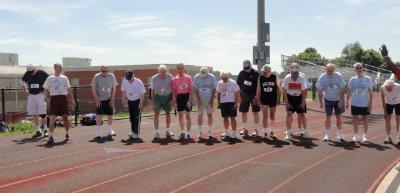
<point x="294" y="88"/>
<point x="228" y="90"/>
<point x="57" y="85"/>
<point x="133" y="90"/>
<point x="392" y="98"/>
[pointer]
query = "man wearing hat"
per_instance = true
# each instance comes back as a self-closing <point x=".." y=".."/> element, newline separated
<point x="247" y="81"/>
<point x="133" y="89"/>
<point x="36" y="106"/>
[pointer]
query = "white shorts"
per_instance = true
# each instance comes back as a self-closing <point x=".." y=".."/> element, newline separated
<point x="205" y="107"/>
<point x="36" y="105"/>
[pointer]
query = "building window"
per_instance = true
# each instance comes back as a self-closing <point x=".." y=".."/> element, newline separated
<point x="75" y="82"/>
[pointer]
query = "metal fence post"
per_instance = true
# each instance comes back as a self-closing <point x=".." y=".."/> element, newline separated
<point x="76" y="105"/>
<point x="3" y="104"/>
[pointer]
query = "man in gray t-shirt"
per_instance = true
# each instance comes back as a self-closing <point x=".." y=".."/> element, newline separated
<point x="161" y="85"/>
<point x="103" y="88"/>
<point x="205" y="85"/>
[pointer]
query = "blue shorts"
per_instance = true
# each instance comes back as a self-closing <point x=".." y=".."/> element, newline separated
<point x="333" y="105"/>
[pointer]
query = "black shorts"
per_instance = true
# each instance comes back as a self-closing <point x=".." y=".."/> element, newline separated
<point x="390" y="108"/>
<point x="245" y="103"/>
<point x="228" y="110"/>
<point x="104" y="108"/>
<point x="59" y="105"/>
<point x="181" y="102"/>
<point x="271" y="102"/>
<point x="295" y="104"/>
<point x="359" y="110"/>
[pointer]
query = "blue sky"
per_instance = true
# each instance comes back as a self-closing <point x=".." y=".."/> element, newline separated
<point x="218" y="33"/>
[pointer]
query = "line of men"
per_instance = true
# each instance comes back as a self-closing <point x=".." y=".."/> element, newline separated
<point x="260" y="91"/>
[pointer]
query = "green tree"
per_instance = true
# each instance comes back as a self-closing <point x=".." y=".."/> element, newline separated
<point x="309" y="53"/>
<point x="373" y="58"/>
<point x="353" y="51"/>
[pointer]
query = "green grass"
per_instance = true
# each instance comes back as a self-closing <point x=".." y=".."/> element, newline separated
<point x="18" y="129"/>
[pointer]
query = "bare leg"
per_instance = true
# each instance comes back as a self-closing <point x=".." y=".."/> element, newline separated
<point x="387" y="124"/>
<point x="156" y="119"/>
<point x="168" y="119"/>
<point x="188" y="121"/>
<point x="365" y="123"/>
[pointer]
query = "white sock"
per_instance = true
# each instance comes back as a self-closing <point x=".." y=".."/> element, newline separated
<point x="209" y="129"/>
<point x="266" y="130"/>
<point x="110" y="128"/>
<point x="50" y="133"/>
<point x="200" y="129"/>
<point x="98" y="131"/>
<point x="158" y="130"/>
<point x="245" y="126"/>
<point x="38" y="128"/>
<point x="226" y="131"/>
<point x="256" y="126"/>
<point x="45" y="127"/>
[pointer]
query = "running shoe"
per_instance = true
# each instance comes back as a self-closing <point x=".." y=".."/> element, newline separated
<point x="255" y="133"/>
<point x="37" y="134"/>
<point x="50" y="141"/>
<point x="388" y="140"/>
<point x="244" y="132"/>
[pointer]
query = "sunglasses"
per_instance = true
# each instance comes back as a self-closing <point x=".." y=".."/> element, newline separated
<point x="359" y="68"/>
<point x="104" y="71"/>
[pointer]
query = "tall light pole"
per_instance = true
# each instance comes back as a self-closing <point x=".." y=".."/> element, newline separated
<point x="261" y="52"/>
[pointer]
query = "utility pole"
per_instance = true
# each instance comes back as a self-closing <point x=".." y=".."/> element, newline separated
<point x="261" y="52"/>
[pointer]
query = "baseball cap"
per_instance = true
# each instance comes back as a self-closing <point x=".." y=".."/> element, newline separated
<point x="30" y="67"/>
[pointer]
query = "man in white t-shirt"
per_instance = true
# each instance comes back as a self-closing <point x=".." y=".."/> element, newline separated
<point x="133" y="89"/>
<point x="390" y="93"/>
<point x="228" y="100"/>
<point x="294" y="88"/>
<point x="58" y="88"/>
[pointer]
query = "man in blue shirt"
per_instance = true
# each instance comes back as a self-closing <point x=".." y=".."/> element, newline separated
<point x="360" y="92"/>
<point x="331" y="87"/>
<point x="205" y="85"/>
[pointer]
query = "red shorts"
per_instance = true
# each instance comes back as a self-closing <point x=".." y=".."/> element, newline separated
<point x="59" y="105"/>
<point x="397" y="73"/>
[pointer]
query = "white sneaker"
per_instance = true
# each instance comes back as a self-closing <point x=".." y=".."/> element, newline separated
<point x="288" y="135"/>
<point x="209" y="134"/>
<point x="225" y="134"/>
<point x="306" y="134"/>
<point x="327" y="137"/>
<point x="169" y="133"/>
<point x="201" y="135"/>
<point x="364" y="138"/>
<point x="233" y="135"/>
<point x="255" y="133"/>
<point x="157" y="135"/>
<point x="339" y="137"/>
<point x="134" y="135"/>
<point x="355" y="138"/>
<point x="388" y="140"/>
<point x="112" y="133"/>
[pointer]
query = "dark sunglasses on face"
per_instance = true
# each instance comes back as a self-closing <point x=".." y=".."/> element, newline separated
<point x="104" y="71"/>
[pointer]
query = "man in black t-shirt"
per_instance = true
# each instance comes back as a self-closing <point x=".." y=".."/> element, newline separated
<point x="36" y="105"/>
<point x="247" y="81"/>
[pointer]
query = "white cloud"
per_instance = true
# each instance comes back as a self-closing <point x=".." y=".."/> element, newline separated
<point x="43" y="11"/>
<point x="156" y="32"/>
<point x="19" y="41"/>
<point x="123" y="22"/>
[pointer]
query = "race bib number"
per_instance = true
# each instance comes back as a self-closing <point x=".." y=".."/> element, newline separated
<point x="294" y="86"/>
<point x="204" y="90"/>
<point x="183" y="86"/>
<point x="226" y="94"/>
<point x="360" y="93"/>
<point x="393" y="99"/>
<point x="163" y="91"/>
<point x="34" y="85"/>
<point x="268" y="89"/>
<point x="333" y="87"/>
<point x="130" y="94"/>
<point x="106" y="89"/>
<point x="247" y="83"/>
